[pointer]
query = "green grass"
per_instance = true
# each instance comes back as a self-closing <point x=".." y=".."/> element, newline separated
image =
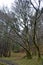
<point x="18" y="58"/>
<point x="25" y="61"/>
<point x="2" y="63"/>
<point x="33" y="61"/>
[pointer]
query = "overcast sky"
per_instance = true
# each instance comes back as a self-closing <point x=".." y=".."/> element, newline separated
<point x="8" y="3"/>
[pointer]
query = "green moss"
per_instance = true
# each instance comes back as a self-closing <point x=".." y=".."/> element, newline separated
<point x="33" y="61"/>
<point x="2" y="63"/>
<point x="18" y="58"/>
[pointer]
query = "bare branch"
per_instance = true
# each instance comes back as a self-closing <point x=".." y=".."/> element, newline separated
<point x="33" y="5"/>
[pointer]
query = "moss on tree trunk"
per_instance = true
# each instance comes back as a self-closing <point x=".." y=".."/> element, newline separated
<point x="28" y="55"/>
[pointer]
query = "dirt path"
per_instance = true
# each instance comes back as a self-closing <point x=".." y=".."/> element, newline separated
<point x="7" y="62"/>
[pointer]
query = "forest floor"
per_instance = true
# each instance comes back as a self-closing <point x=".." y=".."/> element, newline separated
<point x="2" y="63"/>
<point x="6" y="62"/>
<point x="18" y="59"/>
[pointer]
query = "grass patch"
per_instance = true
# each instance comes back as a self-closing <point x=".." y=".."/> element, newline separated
<point x="2" y="63"/>
<point x="18" y="58"/>
<point x="33" y="61"/>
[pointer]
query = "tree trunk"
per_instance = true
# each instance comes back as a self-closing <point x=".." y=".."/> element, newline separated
<point x="9" y="54"/>
<point x="34" y="34"/>
<point x="28" y="55"/>
<point x="36" y="47"/>
<point x="34" y="41"/>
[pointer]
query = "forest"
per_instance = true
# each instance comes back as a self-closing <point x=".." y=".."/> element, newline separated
<point x="21" y="31"/>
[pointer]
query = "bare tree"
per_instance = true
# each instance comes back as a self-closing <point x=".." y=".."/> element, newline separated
<point x="28" y="14"/>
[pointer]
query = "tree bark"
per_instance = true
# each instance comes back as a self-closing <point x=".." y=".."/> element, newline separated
<point x="28" y="55"/>
<point x="34" y="41"/>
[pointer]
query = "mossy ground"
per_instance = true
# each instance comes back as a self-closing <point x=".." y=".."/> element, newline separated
<point x="18" y="58"/>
